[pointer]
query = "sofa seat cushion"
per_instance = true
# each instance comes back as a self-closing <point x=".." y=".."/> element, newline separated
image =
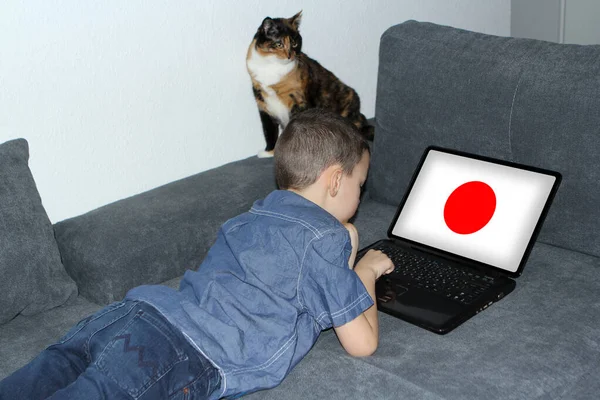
<point x="33" y="278"/>
<point x="540" y="341"/>
<point x="24" y="337"/>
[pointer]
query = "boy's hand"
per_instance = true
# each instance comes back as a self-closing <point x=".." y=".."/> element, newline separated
<point x="376" y="261"/>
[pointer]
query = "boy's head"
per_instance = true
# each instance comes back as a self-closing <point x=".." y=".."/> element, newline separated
<point x="322" y="150"/>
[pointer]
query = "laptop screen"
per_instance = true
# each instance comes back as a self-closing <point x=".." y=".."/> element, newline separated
<point x="481" y="210"/>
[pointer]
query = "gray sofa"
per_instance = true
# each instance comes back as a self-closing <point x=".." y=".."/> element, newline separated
<point x="521" y="100"/>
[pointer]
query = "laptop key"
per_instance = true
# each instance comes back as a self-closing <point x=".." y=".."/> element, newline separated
<point x="436" y="277"/>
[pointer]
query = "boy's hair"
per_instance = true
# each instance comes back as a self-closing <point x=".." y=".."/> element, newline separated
<point x="311" y="142"/>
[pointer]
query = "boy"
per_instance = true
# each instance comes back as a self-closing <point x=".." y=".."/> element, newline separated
<point x="274" y="279"/>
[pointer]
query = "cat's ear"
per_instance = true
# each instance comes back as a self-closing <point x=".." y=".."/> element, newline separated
<point x="266" y="25"/>
<point x="295" y="20"/>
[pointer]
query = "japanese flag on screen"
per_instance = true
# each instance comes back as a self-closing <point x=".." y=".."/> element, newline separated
<point x="476" y="209"/>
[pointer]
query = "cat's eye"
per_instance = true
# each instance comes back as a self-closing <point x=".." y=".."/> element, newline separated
<point x="294" y="44"/>
<point x="278" y="45"/>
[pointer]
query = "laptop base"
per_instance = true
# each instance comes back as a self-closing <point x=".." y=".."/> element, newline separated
<point x="427" y="309"/>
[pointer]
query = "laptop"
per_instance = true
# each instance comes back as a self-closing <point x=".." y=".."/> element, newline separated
<point x="461" y="235"/>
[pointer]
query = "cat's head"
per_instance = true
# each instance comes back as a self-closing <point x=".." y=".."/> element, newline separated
<point x="280" y="37"/>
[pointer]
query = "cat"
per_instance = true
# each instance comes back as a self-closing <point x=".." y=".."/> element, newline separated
<point x="285" y="81"/>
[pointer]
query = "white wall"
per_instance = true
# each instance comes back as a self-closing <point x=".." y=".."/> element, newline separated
<point x="117" y="97"/>
<point x="562" y="21"/>
<point x="536" y="19"/>
<point x="582" y="21"/>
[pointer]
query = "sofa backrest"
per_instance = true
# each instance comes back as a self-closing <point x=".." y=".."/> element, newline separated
<point x="522" y="100"/>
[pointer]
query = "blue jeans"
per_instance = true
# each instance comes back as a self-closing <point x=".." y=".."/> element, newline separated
<point x="125" y="351"/>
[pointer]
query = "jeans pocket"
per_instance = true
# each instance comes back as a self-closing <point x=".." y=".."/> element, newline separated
<point x="140" y="354"/>
<point x="84" y="322"/>
<point x="202" y="387"/>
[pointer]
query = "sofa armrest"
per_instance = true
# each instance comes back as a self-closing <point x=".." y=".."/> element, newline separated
<point x="157" y="235"/>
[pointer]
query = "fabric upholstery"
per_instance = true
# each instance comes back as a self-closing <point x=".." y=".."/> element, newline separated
<point x="24" y="337"/>
<point x="521" y="100"/>
<point x="157" y="235"/>
<point x="33" y="278"/>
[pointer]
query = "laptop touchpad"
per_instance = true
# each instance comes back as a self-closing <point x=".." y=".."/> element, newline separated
<point x="419" y="305"/>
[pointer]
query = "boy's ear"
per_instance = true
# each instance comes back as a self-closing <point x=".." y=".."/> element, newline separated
<point x="335" y="181"/>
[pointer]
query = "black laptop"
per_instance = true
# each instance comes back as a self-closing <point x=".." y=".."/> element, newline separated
<point x="462" y="232"/>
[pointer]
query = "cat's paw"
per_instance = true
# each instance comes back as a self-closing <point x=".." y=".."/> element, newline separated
<point x="265" y="154"/>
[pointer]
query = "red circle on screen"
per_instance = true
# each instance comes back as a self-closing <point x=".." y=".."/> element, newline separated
<point x="469" y="207"/>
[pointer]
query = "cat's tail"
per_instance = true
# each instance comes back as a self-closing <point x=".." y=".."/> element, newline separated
<point x="368" y="131"/>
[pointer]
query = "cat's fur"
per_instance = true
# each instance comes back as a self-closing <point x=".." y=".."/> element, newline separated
<point x="286" y="81"/>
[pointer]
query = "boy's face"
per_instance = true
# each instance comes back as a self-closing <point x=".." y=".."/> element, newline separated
<point x="348" y="196"/>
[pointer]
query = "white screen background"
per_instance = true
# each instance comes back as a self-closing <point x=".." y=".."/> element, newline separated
<point x="520" y="199"/>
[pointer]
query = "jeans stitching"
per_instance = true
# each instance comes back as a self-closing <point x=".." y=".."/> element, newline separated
<point x="87" y="343"/>
<point x="158" y="324"/>
<point x="302" y="268"/>
<point x="136" y="393"/>
<point x="341" y="312"/>
<point x="271" y="360"/>
<point x="300" y="274"/>
<point x="318" y="319"/>
<point x="236" y="225"/>
<point x="223" y="381"/>
<point x="86" y="321"/>
<point x="314" y="230"/>
<point x="158" y="378"/>
<point x="200" y="375"/>
<point x="346" y="309"/>
<point x="349" y="306"/>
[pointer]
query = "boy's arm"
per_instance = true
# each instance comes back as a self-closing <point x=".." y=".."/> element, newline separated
<point x="360" y="337"/>
<point x="353" y="241"/>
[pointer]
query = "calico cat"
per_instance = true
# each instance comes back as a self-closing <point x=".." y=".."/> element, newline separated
<point x="285" y="81"/>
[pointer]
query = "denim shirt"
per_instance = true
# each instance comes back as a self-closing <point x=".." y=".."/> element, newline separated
<point x="276" y="277"/>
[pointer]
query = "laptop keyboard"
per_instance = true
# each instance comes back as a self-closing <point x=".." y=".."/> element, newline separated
<point x="436" y="276"/>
